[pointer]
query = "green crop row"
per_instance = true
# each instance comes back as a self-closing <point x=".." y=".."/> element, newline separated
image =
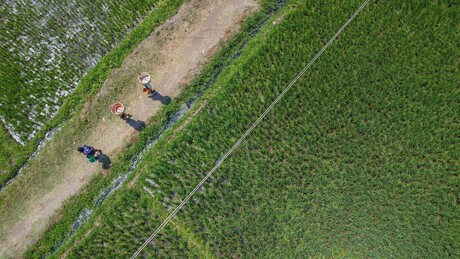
<point x="359" y="159"/>
<point x="134" y="222"/>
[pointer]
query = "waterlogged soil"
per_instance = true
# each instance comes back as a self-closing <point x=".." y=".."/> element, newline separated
<point x="173" y="55"/>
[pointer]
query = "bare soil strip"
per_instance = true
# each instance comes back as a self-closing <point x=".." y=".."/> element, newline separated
<point x="173" y="55"/>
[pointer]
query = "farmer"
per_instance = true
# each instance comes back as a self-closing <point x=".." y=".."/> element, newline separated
<point x="149" y="89"/>
<point x="89" y="151"/>
<point x="119" y="110"/>
<point x="144" y="79"/>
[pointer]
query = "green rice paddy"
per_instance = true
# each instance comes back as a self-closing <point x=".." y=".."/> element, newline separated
<point x="359" y="159"/>
<point x="47" y="46"/>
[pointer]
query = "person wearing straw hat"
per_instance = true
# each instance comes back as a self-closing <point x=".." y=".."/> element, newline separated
<point x="144" y="79"/>
<point x="118" y="109"/>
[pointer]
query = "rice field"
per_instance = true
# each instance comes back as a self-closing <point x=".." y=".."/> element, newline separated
<point x="47" y="46"/>
<point x="360" y="159"/>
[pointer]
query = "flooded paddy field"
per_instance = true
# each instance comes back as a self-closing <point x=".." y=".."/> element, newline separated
<point x="47" y="46"/>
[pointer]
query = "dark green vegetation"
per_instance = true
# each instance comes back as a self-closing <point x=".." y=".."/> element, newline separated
<point x="143" y="206"/>
<point x="89" y="85"/>
<point x="359" y="159"/>
<point x="8" y="147"/>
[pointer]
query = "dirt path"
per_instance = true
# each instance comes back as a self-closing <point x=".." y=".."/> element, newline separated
<point x="173" y="55"/>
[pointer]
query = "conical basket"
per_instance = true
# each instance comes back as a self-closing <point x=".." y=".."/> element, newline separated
<point x="144" y="78"/>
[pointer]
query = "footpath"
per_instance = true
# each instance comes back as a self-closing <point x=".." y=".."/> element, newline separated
<point x="173" y="55"/>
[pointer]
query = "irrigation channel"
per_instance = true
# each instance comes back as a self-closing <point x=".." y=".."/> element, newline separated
<point x="86" y="213"/>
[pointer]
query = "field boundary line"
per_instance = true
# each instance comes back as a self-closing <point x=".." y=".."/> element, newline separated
<point x="261" y="117"/>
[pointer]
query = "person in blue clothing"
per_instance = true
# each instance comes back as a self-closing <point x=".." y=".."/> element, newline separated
<point x="89" y="151"/>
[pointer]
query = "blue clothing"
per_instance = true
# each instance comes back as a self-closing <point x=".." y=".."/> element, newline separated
<point x="88" y="150"/>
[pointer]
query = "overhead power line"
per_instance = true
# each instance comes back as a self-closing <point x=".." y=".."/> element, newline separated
<point x="261" y="117"/>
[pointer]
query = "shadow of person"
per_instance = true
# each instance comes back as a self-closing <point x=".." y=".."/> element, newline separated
<point x="104" y="160"/>
<point x="136" y="124"/>
<point x="163" y="99"/>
